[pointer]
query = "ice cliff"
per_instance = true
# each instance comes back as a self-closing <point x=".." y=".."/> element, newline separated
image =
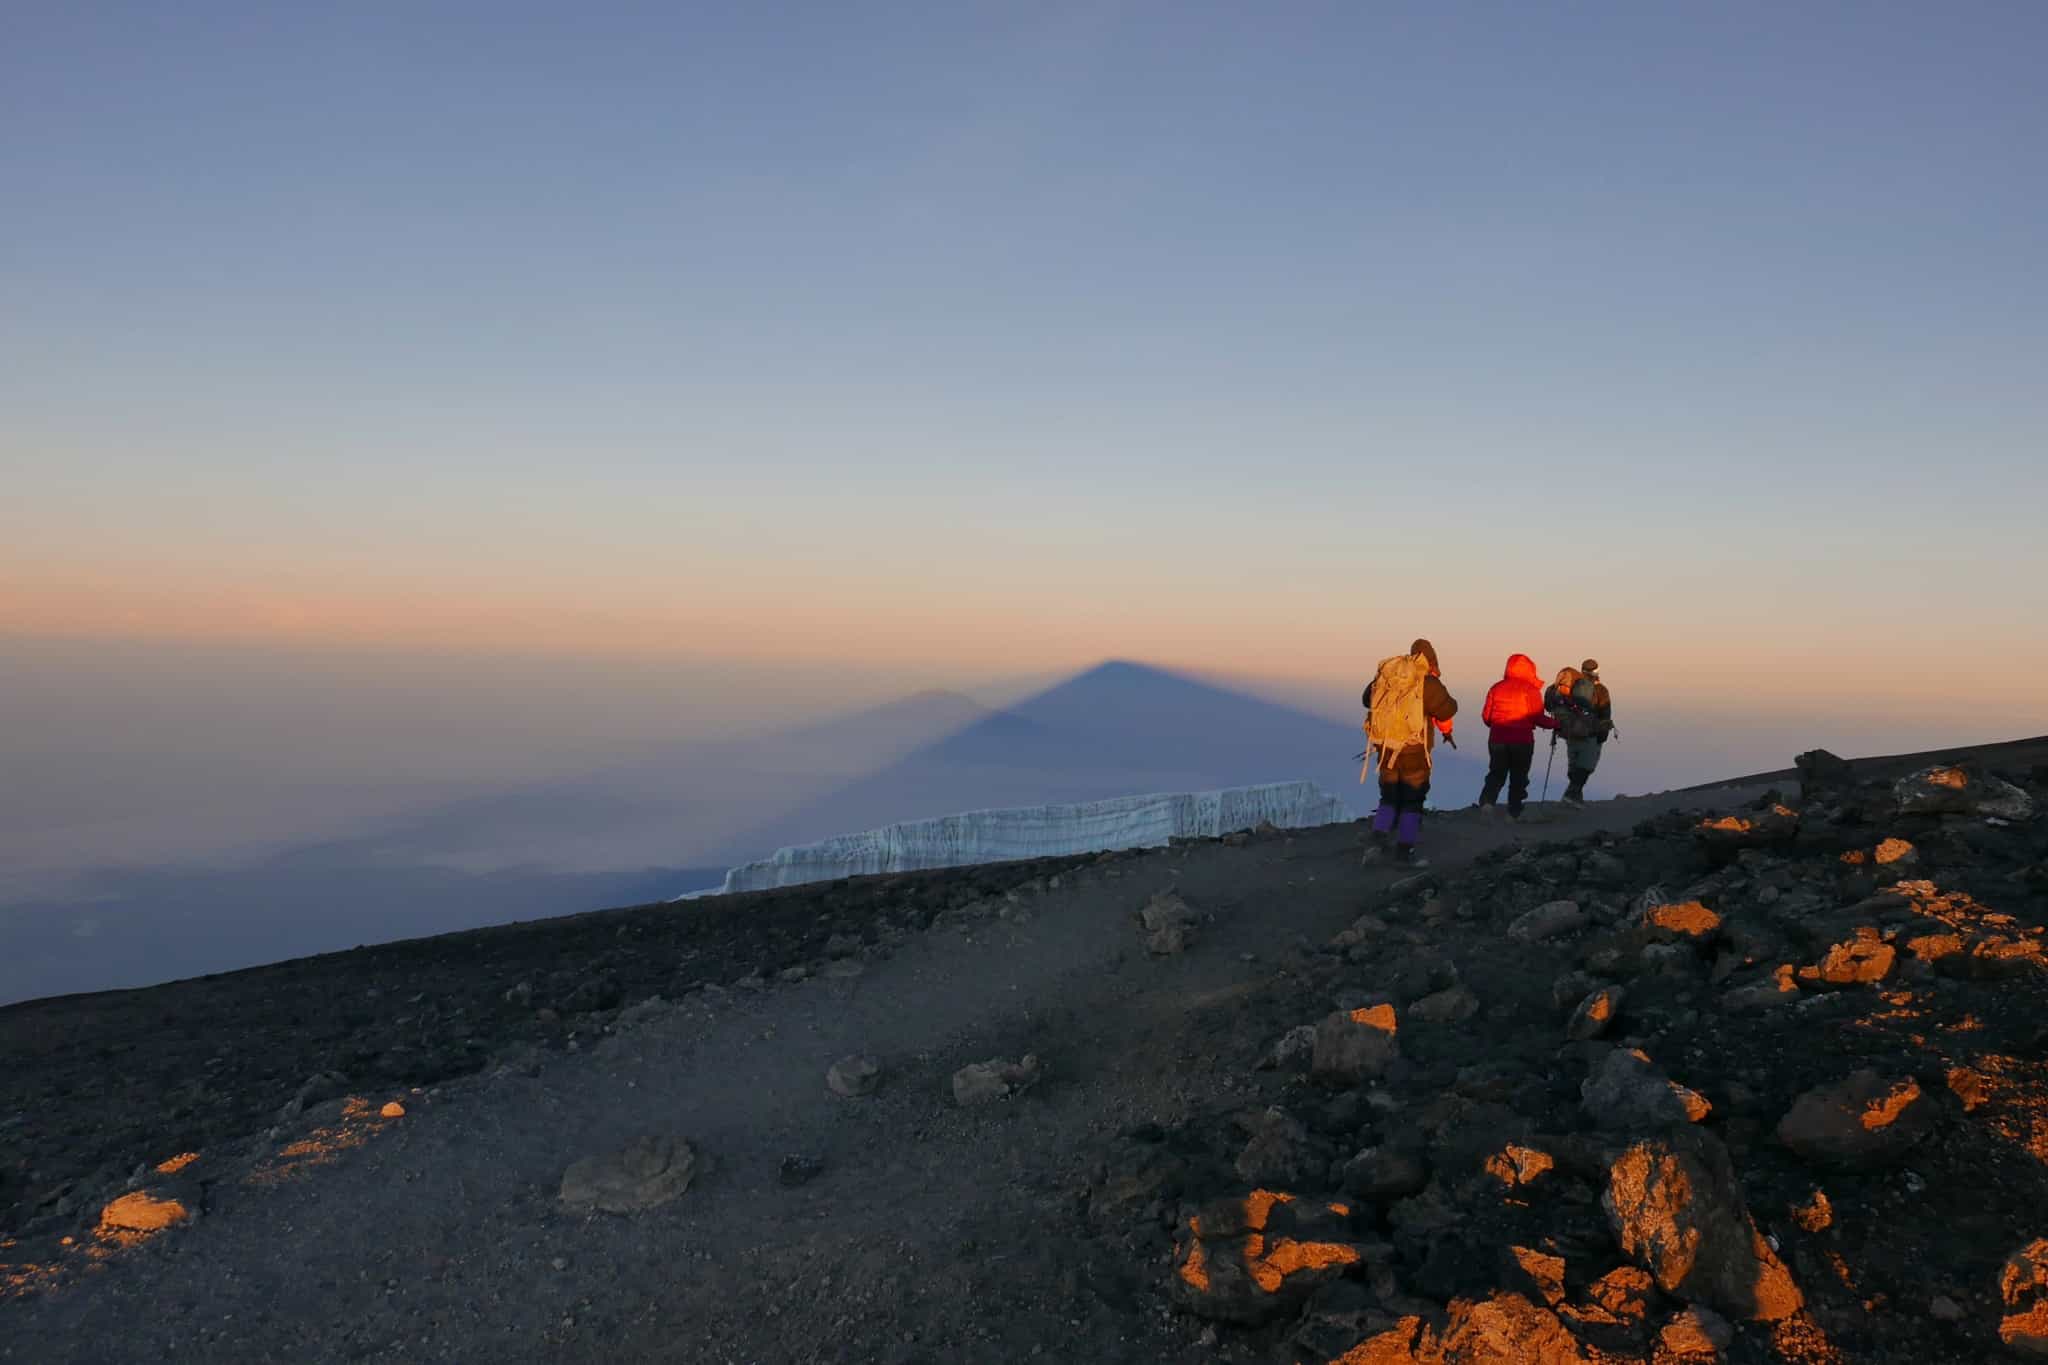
<point x="990" y="836"/>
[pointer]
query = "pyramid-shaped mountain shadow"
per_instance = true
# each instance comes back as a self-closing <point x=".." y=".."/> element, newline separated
<point x="1118" y="729"/>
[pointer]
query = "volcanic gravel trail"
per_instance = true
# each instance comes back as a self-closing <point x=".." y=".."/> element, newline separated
<point x="933" y="1233"/>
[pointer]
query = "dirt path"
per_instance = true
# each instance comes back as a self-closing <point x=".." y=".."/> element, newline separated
<point x="934" y="1232"/>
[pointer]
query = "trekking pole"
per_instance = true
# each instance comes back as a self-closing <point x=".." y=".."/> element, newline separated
<point x="1547" y="766"/>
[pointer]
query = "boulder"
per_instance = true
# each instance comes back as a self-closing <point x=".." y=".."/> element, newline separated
<point x="994" y="1079"/>
<point x="1354" y="1046"/>
<point x="1507" y="1329"/>
<point x="1677" y="1210"/>
<point x="647" y="1171"/>
<point x="1548" y="920"/>
<point x="1960" y="789"/>
<point x="1595" y="1013"/>
<point x="2023" y="1289"/>
<point x="1628" y="1092"/>
<point x="1862" y="1120"/>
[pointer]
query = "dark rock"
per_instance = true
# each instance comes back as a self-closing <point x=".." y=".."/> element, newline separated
<point x="1628" y="1092"/>
<point x="645" y="1172"/>
<point x="1862" y="1120"/>
<point x="1356" y="1045"/>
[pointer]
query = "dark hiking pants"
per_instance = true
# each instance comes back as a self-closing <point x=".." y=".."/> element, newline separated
<point x="1508" y="763"/>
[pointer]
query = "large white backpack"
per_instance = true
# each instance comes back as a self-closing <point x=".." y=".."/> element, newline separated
<point x="1396" y="719"/>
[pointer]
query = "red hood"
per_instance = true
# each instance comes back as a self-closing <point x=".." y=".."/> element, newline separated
<point x="1521" y="668"/>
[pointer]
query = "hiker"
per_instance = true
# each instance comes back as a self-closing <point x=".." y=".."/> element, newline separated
<point x="1406" y="708"/>
<point x="1584" y="712"/>
<point x="1513" y="713"/>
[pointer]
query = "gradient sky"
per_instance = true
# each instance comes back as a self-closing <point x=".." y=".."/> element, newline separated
<point x="951" y="340"/>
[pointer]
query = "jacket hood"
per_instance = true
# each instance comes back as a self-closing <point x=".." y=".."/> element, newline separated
<point x="1521" y="668"/>
<point x="1427" y="651"/>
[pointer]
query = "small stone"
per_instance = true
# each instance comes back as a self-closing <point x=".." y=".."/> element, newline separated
<point x="392" y="1110"/>
<point x="853" y="1077"/>
<point x="1945" y="1309"/>
<point x="800" y="1170"/>
<point x="560" y="1263"/>
<point x="520" y="995"/>
<point x="1293" y="1048"/>
<point x="794" y="974"/>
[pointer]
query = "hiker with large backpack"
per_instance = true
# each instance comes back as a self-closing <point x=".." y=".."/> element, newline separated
<point x="1584" y="711"/>
<point x="1406" y="707"/>
<point x="1513" y="713"/>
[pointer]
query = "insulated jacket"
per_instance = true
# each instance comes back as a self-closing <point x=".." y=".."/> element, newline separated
<point x="1514" y="705"/>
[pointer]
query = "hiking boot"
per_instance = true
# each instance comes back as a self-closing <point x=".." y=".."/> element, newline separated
<point x="1571" y="799"/>
<point x="1411" y="858"/>
<point x="1374" y="855"/>
<point x="1487" y="808"/>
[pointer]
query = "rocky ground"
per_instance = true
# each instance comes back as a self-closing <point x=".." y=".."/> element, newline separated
<point x="1743" y="1075"/>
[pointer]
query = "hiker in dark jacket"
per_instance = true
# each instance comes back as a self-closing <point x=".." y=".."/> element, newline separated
<point x="1513" y="713"/>
<point x="1413" y="709"/>
<point x="1584" y="711"/>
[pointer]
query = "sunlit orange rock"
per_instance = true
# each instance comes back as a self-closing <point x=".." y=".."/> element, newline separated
<point x="1515" y="1165"/>
<point x="2023" y="1288"/>
<point x="1816" y="1214"/>
<point x="1692" y="1336"/>
<point x="136" y="1217"/>
<point x="1723" y="838"/>
<point x="1408" y="1342"/>
<point x="392" y="1110"/>
<point x="1624" y="1292"/>
<point x="1542" y="1272"/>
<point x="1677" y="1210"/>
<point x="1248" y="1259"/>
<point x="1863" y="1120"/>
<point x="1687" y="921"/>
<point x="172" y="1165"/>
<point x="1507" y="1329"/>
<point x="1892" y="853"/>
<point x="1967" y="1086"/>
<point x="1861" y="959"/>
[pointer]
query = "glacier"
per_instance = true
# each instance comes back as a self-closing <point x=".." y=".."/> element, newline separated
<point x="992" y="836"/>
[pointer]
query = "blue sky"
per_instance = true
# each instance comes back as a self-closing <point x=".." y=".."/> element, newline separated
<point x="612" y="324"/>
